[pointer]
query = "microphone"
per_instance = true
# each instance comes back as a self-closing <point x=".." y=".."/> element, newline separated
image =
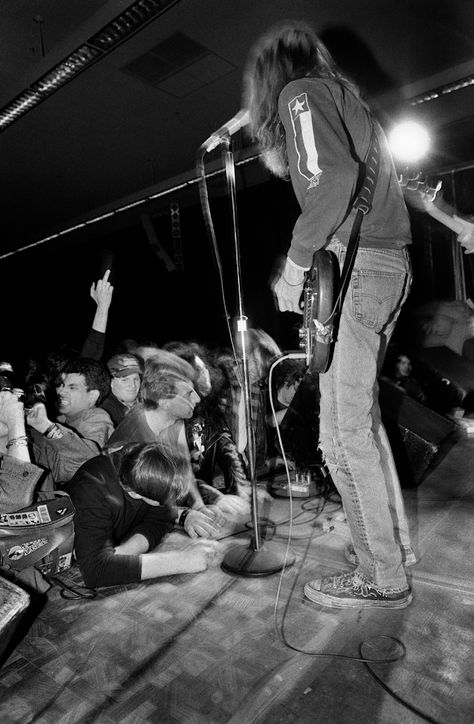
<point x="228" y="129"/>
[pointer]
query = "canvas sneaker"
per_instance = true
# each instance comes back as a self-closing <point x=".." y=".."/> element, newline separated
<point x="408" y="557"/>
<point x="349" y="590"/>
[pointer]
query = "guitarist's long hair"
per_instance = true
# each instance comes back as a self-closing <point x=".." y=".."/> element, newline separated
<point x="287" y="51"/>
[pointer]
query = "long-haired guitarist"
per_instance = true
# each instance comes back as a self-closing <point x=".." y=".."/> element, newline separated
<point x="313" y="128"/>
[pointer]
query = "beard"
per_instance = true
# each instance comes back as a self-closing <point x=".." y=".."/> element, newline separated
<point x="274" y="160"/>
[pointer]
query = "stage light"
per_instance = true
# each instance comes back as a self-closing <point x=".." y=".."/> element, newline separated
<point x="409" y="142"/>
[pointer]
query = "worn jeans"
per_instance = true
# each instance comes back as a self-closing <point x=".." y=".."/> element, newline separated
<point x="352" y="438"/>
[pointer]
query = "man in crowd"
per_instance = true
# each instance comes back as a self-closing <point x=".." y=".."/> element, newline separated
<point x="124" y="386"/>
<point x="82" y="428"/>
<point x="168" y="398"/>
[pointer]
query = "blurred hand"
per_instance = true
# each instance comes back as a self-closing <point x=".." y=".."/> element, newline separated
<point x="37" y="418"/>
<point x="233" y="504"/>
<point x="102" y="290"/>
<point x="206" y="522"/>
<point x="200" y="555"/>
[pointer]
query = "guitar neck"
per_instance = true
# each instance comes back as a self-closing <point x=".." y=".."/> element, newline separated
<point x="444" y="218"/>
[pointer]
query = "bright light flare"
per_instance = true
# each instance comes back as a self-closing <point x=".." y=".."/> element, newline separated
<point x="409" y="141"/>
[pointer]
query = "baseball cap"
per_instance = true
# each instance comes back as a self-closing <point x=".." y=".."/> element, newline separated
<point x="122" y="365"/>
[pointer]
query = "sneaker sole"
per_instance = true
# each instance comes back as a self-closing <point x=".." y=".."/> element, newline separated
<point x="334" y="602"/>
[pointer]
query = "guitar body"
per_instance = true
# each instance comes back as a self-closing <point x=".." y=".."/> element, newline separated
<point x="316" y="334"/>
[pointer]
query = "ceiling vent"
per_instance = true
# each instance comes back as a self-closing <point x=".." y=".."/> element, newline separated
<point x="179" y="66"/>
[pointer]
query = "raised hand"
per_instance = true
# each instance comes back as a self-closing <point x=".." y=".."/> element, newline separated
<point x="101" y="292"/>
<point x="37" y="418"/>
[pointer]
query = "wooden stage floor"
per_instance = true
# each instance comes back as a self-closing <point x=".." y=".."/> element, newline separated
<point x="215" y="648"/>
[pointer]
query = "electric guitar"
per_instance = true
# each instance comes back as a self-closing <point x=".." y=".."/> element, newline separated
<point x="317" y="331"/>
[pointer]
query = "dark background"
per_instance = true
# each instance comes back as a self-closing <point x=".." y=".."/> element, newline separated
<point x="110" y="137"/>
<point x="51" y="285"/>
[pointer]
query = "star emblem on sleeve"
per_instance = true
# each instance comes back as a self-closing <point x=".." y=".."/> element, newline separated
<point x="298" y="105"/>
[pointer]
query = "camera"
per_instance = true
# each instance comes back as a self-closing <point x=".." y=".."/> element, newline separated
<point x="33" y="393"/>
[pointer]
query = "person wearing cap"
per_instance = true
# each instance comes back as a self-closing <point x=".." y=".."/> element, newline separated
<point x="167" y="399"/>
<point x="125" y="381"/>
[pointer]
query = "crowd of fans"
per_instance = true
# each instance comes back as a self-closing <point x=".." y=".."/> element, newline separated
<point x="153" y="437"/>
<point x="150" y="438"/>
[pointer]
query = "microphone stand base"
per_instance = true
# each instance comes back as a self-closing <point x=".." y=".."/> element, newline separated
<point x="269" y="558"/>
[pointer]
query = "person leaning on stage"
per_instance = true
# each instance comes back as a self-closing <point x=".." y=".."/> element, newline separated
<point x="210" y="441"/>
<point x="313" y="128"/>
<point x="168" y="398"/>
<point x="125" y="505"/>
<point x="82" y="428"/>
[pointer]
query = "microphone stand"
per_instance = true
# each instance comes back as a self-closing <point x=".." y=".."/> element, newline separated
<point x="260" y="558"/>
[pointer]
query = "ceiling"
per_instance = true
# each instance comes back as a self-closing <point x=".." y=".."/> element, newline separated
<point x="124" y="125"/>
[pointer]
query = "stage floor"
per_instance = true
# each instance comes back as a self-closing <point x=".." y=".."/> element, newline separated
<point x="215" y="648"/>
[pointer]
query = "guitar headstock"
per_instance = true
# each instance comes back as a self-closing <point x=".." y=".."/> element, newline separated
<point x="419" y="193"/>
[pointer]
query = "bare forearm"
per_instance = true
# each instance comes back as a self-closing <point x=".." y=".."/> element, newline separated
<point x="192" y="559"/>
<point x="166" y="563"/>
<point x="134" y="546"/>
<point x="100" y="320"/>
<point x="17" y="445"/>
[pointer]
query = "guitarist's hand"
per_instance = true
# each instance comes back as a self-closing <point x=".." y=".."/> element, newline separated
<point x="288" y="288"/>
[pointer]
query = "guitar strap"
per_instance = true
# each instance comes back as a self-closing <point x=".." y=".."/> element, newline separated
<point x="362" y="204"/>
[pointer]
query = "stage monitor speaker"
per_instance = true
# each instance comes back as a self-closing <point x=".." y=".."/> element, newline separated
<point x="418" y="435"/>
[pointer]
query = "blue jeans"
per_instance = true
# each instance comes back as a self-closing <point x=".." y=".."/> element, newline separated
<point x="352" y="438"/>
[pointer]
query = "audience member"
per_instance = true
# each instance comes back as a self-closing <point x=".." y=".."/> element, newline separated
<point x="82" y="428"/>
<point x="125" y="505"/>
<point x="145" y="350"/>
<point x="93" y="347"/>
<point x="209" y="438"/>
<point x="399" y="371"/>
<point x="262" y="350"/>
<point x="19" y="481"/>
<point x="125" y="381"/>
<point x="168" y="398"/>
<point x="286" y="380"/>
<point x="443" y="323"/>
<point x="101" y="292"/>
<point x="18" y="477"/>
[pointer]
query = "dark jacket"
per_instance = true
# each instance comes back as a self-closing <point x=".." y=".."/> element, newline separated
<point x="106" y="515"/>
